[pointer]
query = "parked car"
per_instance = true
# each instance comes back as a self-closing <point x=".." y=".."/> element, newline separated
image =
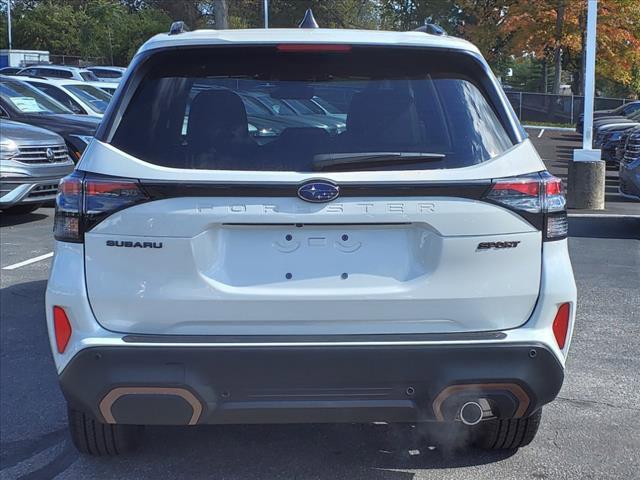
<point x="282" y="112"/>
<point x="9" y="70"/>
<point x="622" y="111"/>
<point x="59" y="71"/>
<point x="622" y="144"/>
<point x="412" y="268"/>
<point x="608" y="133"/>
<point x="630" y="166"/>
<point x="21" y="102"/>
<point x="606" y="121"/>
<point x="79" y="97"/>
<point x="108" y="73"/>
<point x="108" y="87"/>
<point x="32" y="162"/>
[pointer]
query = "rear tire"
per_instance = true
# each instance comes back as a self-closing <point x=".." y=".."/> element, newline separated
<point x="94" y="438"/>
<point x="506" y="434"/>
<point x="22" y="209"/>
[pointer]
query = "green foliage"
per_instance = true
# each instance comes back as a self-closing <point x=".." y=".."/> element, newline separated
<point x="105" y="29"/>
<point x="289" y="13"/>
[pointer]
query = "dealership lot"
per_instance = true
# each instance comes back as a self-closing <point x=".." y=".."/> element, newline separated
<point x="591" y="431"/>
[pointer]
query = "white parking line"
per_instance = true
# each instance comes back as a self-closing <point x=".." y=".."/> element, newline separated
<point x="28" y="262"/>
<point x="541" y="132"/>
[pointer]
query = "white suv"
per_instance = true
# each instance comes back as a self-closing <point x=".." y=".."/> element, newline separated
<point x="411" y="268"/>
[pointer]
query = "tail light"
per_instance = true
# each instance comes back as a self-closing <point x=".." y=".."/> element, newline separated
<point x="538" y="197"/>
<point x="313" y="47"/>
<point x="85" y="199"/>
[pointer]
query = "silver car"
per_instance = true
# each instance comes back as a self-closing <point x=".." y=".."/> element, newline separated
<point x="32" y="162"/>
<point x="630" y="166"/>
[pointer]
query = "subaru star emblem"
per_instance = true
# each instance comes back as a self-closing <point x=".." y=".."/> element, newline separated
<point x="50" y="155"/>
<point x="318" y="192"/>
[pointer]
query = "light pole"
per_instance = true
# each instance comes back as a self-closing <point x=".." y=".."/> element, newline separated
<point x="266" y="13"/>
<point x="9" y="22"/>
<point x="587" y="171"/>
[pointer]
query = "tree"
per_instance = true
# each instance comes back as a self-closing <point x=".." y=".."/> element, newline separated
<point x="105" y="29"/>
<point x="535" y="28"/>
<point x="221" y="14"/>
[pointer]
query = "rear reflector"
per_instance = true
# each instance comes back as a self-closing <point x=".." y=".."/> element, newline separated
<point x="62" y="328"/>
<point x="561" y="324"/>
<point x="313" y="47"/>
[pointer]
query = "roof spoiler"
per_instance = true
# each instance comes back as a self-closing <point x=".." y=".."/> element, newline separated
<point x="178" y="27"/>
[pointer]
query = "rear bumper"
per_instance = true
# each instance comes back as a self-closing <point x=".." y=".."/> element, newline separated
<point x="195" y="384"/>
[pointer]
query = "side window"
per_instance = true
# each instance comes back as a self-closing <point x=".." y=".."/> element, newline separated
<point x="62" y="97"/>
<point x="632" y="107"/>
<point x="3" y="113"/>
<point x="31" y="71"/>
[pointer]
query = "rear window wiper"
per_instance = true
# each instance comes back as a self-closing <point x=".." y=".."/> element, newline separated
<point x="327" y="160"/>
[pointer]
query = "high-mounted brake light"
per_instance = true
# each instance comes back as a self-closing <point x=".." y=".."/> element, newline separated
<point x="313" y="47"/>
<point x="84" y="200"/>
<point x="61" y="328"/>
<point x="561" y="324"/>
<point x="538" y="197"/>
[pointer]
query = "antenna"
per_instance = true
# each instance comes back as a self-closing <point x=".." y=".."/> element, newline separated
<point x="308" y="21"/>
<point x="178" y="27"/>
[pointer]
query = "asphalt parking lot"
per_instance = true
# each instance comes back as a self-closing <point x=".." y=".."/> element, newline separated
<point x="591" y="431"/>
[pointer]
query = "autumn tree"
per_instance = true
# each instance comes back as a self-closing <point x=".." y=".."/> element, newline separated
<point x="556" y="29"/>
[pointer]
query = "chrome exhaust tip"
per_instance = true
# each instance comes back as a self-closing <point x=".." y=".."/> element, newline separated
<point x="471" y="413"/>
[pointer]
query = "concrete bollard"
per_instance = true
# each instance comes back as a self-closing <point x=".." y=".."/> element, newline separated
<point x="585" y="185"/>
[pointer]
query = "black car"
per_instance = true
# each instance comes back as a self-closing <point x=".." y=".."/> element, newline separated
<point x="622" y="111"/>
<point x="23" y="103"/>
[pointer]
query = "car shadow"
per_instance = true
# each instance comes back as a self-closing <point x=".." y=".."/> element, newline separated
<point x="605" y="227"/>
<point x="319" y="451"/>
<point x="8" y="220"/>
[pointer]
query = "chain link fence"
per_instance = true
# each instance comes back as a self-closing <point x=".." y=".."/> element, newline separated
<point x="565" y="109"/>
<point x="75" y="61"/>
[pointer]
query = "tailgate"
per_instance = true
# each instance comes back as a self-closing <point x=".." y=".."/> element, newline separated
<point x="233" y="266"/>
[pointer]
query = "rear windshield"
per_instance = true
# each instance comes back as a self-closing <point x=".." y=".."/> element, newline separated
<point x="96" y="99"/>
<point x="106" y="73"/>
<point x="360" y="108"/>
<point x="88" y="76"/>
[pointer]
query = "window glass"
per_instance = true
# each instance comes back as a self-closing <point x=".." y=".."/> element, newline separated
<point x="390" y="109"/>
<point x="96" y="99"/>
<point x="27" y="99"/>
<point x="100" y="73"/>
<point x="61" y="96"/>
<point x="89" y="76"/>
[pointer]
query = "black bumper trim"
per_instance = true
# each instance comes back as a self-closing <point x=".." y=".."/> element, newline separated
<point x="427" y="337"/>
<point x="305" y="384"/>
